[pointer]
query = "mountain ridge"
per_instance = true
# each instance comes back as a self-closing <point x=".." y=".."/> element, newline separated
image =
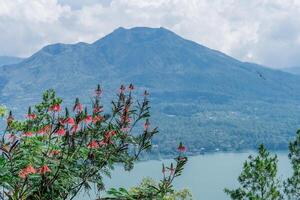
<point x="6" y="60"/>
<point x="218" y="96"/>
<point x="293" y="70"/>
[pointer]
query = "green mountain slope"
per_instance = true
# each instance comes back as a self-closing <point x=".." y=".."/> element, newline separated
<point x="199" y="96"/>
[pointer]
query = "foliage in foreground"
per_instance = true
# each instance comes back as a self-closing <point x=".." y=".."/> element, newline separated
<point x="53" y="155"/>
<point x="292" y="185"/>
<point x="258" y="178"/>
<point x="148" y="187"/>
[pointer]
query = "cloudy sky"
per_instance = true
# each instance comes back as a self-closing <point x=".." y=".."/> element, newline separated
<point x="262" y="31"/>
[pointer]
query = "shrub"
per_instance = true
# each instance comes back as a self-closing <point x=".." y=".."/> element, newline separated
<point x="54" y="155"/>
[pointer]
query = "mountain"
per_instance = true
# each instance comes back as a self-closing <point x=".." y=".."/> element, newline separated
<point x="200" y="96"/>
<point x="6" y="60"/>
<point x="292" y="70"/>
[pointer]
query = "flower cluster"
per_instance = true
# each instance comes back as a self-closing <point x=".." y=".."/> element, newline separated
<point x="25" y="172"/>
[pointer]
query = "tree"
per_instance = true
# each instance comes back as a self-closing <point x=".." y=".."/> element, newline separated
<point x="53" y="155"/>
<point x="292" y="185"/>
<point x="258" y="178"/>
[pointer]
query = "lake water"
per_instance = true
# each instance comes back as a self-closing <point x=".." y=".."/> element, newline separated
<point x="206" y="175"/>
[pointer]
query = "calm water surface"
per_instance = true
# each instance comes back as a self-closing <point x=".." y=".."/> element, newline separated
<point x="206" y="175"/>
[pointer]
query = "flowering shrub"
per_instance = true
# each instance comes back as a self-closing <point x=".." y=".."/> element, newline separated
<point x="53" y="154"/>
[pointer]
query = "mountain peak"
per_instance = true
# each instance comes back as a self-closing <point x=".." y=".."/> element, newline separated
<point x="55" y="49"/>
<point x="138" y="34"/>
<point x="143" y="29"/>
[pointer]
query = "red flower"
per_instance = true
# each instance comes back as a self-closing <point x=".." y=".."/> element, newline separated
<point x="74" y="128"/>
<point x="22" y="174"/>
<point x="102" y="143"/>
<point x="126" y="109"/>
<point x="61" y="132"/>
<point x="105" y="142"/>
<point x="147" y="124"/>
<point x="69" y="121"/>
<point x="54" y="152"/>
<point x="93" y="144"/>
<point x="55" y="108"/>
<point x="78" y="108"/>
<point x="126" y="119"/>
<point x="44" y="169"/>
<point x="122" y="88"/>
<point x="11" y="136"/>
<point x="28" y="134"/>
<point x="182" y="158"/>
<point x="97" y="118"/>
<point x="107" y="136"/>
<point x="31" y="116"/>
<point x="45" y="129"/>
<point x="26" y="171"/>
<point x="29" y="169"/>
<point x="125" y="129"/>
<point x="113" y="132"/>
<point x="172" y="170"/>
<point x="131" y="87"/>
<point x="181" y="148"/>
<point x="97" y="109"/>
<point x="88" y="119"/>
<point x="110" y="133"/>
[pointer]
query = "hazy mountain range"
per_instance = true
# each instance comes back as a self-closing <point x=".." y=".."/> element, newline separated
<point x="199" y="96"/>
<point x="292" y="70"/>
<point x="6" y="60"/>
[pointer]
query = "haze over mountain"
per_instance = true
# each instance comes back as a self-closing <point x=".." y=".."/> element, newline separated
<point x="6" y="60"/>
<point x="292" y="70"/>
<point x="199" y="96"/>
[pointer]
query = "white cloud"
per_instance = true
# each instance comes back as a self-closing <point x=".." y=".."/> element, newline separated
<point x="263" y="31"/>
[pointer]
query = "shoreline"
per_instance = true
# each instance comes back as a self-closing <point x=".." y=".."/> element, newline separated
<point x="160" y="157"/>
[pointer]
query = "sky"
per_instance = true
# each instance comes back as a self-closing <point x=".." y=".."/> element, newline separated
<point x="262" y="31"/>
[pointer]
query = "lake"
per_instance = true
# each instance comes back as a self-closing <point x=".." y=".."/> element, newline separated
<point x="205" y="175"/>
